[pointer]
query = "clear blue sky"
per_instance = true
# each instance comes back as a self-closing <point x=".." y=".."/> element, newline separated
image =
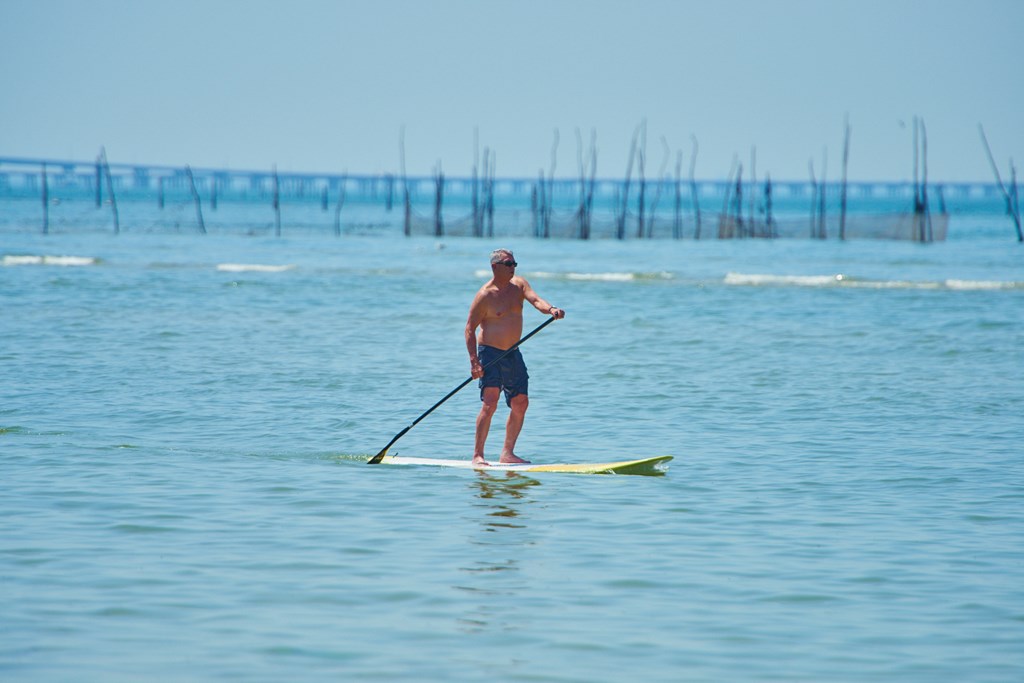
<point x="325" y="86"/>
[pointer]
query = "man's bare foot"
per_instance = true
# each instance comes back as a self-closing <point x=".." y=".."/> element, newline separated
<point x="512" y="459"/>
<point x="478" y="461"/>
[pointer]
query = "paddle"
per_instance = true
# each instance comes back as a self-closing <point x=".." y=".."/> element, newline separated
<point x="380" y="456"/>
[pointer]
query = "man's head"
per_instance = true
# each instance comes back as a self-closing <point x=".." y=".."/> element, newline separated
<point x="503" y="258"/>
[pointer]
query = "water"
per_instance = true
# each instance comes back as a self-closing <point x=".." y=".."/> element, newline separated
<point x="184" y="420"/>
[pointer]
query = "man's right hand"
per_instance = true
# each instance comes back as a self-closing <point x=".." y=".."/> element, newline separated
<point x="477" y="370"/>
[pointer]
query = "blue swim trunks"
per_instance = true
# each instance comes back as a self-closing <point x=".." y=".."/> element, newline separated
<point x="509" y="373"/>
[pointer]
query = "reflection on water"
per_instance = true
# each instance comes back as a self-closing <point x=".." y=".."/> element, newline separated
<point x="505" y="494"/>
<point x="496" y="573"/>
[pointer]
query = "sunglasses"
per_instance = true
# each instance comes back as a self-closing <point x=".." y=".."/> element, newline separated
<point x="509" y="263"/>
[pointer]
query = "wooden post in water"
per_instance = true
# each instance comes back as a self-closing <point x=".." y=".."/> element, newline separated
<point x="927" y="227"/>
<point x="110" y="190"/>
<point x="1012" y="203"/>
<point x="919" y="205"/>
<point x="196" y="199"/>
<point x="277" y="204"/>
<point x="658" y="187"/>
<point x="1014" y="199"/>
<point x="738" y="204"/>
<point x="822" y="230"/>
<point x="160" y="192"/>
<point x="751" y="223"/>
<point x="590" y="184"/>
<point x="693" y="189"/>
<point x="113" y="198"/>
<point x="213" y="191"/>
<point x="620" y="227"/>
<point x="438" y="200"/>
<point x="725" y="230"/>
<point x="583" y="213"/>
<point x="483" y="194"/>
<point x="341" y="202"/>
<point x="407" y="224"/>
<point x="542" y="205"/>
<point x="641" y="158"/>
<point x="535" y="205"/>
<point x="46" y="203"/>
<point x="842" y="195"/>
<point x="407" y="220"/>
<point x="677" y="224"/>
<point x="490" y="169"/>
<point x="814" y="199"/>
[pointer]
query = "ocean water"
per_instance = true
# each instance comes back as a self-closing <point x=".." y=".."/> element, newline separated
<point x="184" y="421"/>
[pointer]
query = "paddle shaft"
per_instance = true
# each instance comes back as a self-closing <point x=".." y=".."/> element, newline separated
<point x="380" y="456"/>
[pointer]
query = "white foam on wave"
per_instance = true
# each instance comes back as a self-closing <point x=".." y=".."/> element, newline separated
<point x="971" y="285"/>
<point x="892" y="284"/>
<point x="840" y="280"/>
<point x="62" y="261"/>
<point x="618" y="277"/>
<point x="592" y="277"/>
<point x="251" y="268"/>
<point x="757" y="280"/>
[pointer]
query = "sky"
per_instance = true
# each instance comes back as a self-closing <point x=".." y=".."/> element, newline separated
<point x="330" y="86"/>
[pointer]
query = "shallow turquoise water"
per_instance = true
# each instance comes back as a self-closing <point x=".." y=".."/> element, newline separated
<point x="184" y="419"/>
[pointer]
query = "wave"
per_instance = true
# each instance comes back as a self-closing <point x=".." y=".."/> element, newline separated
<point x="614" y="277"/>
<point x="64" y="261"/>
<point x="982" y="284"/>
<point x="754" y="280"/>
<point x="594" y="277"/>
<point x="841" y="280"/>
<point x="251" y="268"/>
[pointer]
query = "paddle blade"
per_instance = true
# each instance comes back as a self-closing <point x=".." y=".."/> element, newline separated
<point x="384" y="451"/>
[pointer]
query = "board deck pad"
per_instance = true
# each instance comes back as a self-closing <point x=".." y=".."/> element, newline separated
<point x="655" y="466"/>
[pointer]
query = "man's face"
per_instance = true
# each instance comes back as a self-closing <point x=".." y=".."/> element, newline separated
<point x="506" y="260"/>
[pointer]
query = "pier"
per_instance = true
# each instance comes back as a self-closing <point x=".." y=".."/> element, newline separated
<point x="541" y="207"/>
<point x="21" y="176"/>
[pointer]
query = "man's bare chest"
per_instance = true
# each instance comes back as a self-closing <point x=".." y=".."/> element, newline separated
<point x="504" y="302"/>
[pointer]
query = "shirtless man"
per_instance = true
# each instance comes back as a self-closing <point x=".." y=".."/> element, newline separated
<point x="497" y="309"/>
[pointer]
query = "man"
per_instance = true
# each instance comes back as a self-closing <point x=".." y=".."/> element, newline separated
<point x="497" y="309"/>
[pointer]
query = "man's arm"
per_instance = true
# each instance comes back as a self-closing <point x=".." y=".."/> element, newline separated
<point x="539" y="303"/>
<point x="472" y="322"/>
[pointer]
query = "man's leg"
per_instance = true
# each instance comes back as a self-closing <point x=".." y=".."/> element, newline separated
<point x="488" y="405"/>
<point x="517" y="414"/>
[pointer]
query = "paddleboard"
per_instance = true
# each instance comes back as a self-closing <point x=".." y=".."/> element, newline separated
<point x="650" y="466"/>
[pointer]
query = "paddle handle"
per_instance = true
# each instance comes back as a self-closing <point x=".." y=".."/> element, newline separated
<point x="380" y="456"/>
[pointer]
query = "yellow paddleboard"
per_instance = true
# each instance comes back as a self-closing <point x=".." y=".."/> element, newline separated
<point x="655" y="466"/>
